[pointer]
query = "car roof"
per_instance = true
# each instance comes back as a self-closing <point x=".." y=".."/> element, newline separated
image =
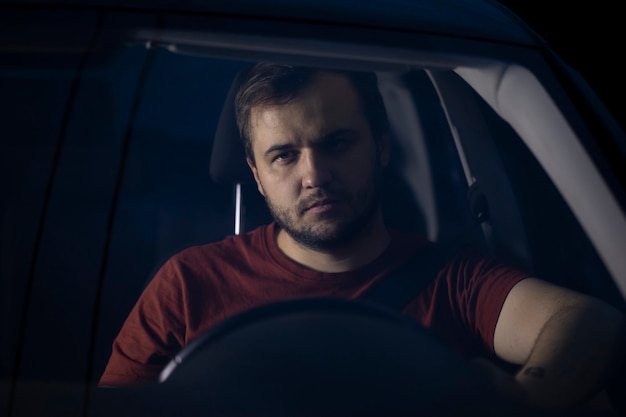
<point x="474" y="19"/>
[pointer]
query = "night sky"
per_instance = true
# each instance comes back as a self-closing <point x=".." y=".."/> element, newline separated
<point x="589" y="36"/>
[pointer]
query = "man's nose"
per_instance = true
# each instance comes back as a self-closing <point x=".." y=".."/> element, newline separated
<point x="315" y="169"/>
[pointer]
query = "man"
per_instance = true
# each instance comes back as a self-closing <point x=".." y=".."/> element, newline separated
<point x="316" y="142"/>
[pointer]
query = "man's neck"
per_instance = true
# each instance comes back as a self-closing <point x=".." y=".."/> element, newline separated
<point x="354" y="255"/>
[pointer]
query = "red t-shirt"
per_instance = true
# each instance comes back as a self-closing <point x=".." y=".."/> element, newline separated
<point x="203" y="285"/>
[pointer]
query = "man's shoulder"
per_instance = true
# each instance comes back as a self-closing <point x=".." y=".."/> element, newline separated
<point x="230" y="246"/>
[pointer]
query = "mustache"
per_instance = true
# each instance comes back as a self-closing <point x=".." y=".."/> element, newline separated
<point x="311" y="199"/>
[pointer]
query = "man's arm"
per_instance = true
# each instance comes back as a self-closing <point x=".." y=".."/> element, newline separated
<point x="567" y="343"/>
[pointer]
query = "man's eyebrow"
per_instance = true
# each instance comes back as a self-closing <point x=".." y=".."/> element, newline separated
<point x="286" y="146"/>
<point x="277" y="148"/>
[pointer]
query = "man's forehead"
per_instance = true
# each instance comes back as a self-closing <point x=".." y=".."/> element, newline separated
<point x="267" y="115"/>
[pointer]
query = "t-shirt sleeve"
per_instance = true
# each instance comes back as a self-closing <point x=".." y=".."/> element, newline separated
<point x="152" y="334"/>
<point x="478" y="287"/>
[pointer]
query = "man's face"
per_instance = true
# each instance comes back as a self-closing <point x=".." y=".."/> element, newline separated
<point x="317" y="164"/>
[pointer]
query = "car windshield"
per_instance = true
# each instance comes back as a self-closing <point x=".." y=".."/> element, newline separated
<point x="111" y="163"/>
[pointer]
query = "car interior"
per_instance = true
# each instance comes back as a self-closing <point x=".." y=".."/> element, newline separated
<point x="120" y="149"/>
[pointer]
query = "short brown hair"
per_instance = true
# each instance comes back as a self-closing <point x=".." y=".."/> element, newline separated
<point x="276" y="84"/>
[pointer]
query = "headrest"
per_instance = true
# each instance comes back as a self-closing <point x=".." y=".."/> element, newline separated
<point x="228" y="158"/>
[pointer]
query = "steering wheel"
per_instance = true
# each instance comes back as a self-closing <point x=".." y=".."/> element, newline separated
<point x="327" y="357"/>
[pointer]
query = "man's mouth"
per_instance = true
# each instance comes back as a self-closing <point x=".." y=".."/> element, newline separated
<point x="323" y="204"/>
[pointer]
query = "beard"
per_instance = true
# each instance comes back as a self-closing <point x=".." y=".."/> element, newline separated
<point x="330" y="232"/>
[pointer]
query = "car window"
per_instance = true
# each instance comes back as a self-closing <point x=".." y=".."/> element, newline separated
<point x="108" y="122"/>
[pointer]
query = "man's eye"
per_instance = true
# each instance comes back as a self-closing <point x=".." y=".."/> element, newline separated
<point x="337" y="144"/>
<point x="283" y="157"/>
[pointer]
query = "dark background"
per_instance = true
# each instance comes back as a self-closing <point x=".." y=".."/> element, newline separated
<point x="589" y="36"/>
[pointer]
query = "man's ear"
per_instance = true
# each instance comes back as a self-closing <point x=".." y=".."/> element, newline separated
<point x="256" y="176"/>
<point x="384" y="149"/>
